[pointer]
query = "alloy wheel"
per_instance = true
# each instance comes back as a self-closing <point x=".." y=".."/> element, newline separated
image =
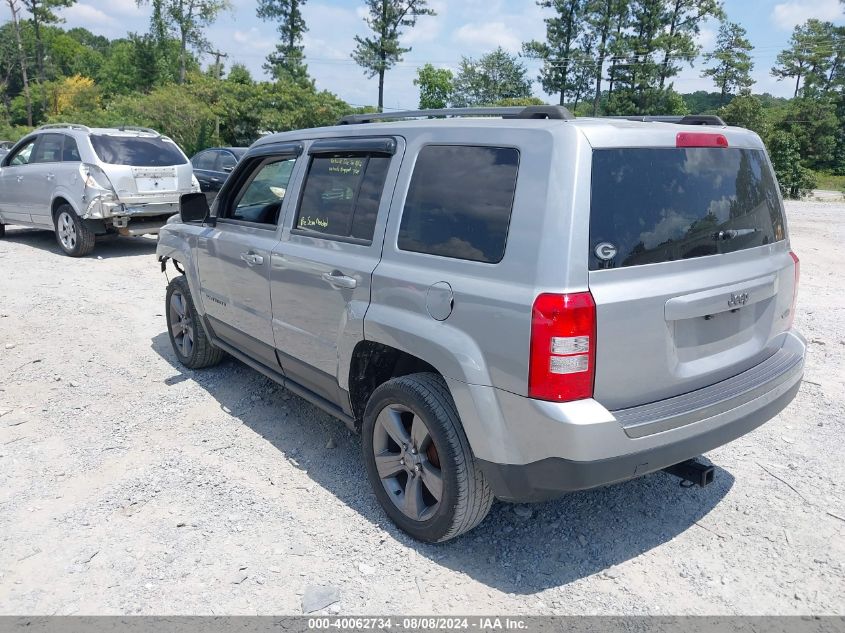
<point x="181" y="326"/>
<point x="407" y="461"/>
<point x="67" y="231"/>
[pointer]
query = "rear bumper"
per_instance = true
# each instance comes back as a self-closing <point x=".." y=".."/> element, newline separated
<point x="550" y="477"/>
<point x="533" y="450"/>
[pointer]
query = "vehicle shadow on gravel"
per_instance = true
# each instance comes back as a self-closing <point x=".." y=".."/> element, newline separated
<point x="517" y="549"/>
<point x="107" y="247"/>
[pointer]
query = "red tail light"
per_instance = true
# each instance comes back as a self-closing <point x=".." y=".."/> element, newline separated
<point x="700" y="139"/>
<point x="563" y="347"/>
<point x="794" y="289"/>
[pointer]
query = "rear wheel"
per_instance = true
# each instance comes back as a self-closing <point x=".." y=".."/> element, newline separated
<point x="419" y="462"/>
<point x="74" y="238"/>
<point x="187" y="335"/>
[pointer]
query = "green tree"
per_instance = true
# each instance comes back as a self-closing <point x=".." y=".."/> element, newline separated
<point x="435" y="86"/>
<point x="557" y="51"/>
<point x="813" y="123"/>
<point x="794" y="179"/>
<point x="493" y="77"/>
<point x="15" y="9"/>
<point x="746" y="110"/>
<point x="600" y="18"/>
<point x="42" y="13"/>
<point x="807" y="57"/>
<point x="288" y="60"/>
<point x="379" y="53"/>
<point x="186" y="19"/>
<point x="732" y="69"/>
<point x="683" y="23"/>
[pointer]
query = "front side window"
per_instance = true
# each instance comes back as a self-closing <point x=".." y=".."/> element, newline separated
<point x="341" y="195"/>
<point x="260" y="199"/>
<point x="137" y="151"/>
<point x="23" y="155"/>
<point x="460" y="201"/>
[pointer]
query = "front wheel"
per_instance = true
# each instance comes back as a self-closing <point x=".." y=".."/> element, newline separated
<point x="419" y="461"/>
<point x="187" y="335"/>
<point x="74" y="238"/>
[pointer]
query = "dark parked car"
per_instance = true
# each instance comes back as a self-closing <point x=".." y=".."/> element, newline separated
<point x="213" y="166"/>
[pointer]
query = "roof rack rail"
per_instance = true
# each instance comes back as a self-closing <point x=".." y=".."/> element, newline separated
<point x="508" y="112"/>
<point x="689" y="119"/>
<point x="65" y="126"/>
<point x="135" y="128"/>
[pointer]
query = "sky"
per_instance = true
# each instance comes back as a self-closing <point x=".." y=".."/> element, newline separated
<point x="461" y="28"/>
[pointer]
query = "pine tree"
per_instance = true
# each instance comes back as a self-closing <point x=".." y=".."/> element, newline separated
<point x="378" y="54"/>
<point x="732" y="72"/>
<point x="288" y="58"/>
<point x="557" y="51"/>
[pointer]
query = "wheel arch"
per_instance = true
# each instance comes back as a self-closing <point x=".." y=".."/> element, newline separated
<point x="372" y="364"/>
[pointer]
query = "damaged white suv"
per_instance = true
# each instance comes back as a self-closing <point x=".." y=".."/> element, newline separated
<point x="82" y="182"/>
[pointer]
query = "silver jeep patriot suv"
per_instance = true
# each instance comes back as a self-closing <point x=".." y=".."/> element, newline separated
<point x="514" y="304"/>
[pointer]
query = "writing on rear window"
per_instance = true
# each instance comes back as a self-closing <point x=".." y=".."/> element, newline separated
<point x="652" y="205"/>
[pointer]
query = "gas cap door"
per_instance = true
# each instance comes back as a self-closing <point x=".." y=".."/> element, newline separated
<point x="439" y="301"/>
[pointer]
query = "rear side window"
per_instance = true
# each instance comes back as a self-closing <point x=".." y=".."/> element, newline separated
<point x="204" y="160"/>
<point x="664" y="204"/>
<point x="70" y="153"/>
<point x="341" y="195"/>
<point x="48" y="149"/>
<point x="138" y="151"/>
<point x="460" y="201"/>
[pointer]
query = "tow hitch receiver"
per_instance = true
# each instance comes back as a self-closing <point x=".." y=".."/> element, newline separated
<point x="693" y="472"/>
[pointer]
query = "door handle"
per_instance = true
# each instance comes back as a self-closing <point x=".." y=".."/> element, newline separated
<point x="50" y="176"/>
<point x="338" y="279"/>
<point x="20" y="178"/>
<point x="215" y="180"/>
<point x="252" y="259"/>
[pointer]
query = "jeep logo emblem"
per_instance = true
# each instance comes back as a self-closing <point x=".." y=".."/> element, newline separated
<point x="605" y="251"/>
<point x="737" y="300"/>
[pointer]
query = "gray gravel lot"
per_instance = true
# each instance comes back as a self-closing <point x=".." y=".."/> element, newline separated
<point x="131" y="485"/>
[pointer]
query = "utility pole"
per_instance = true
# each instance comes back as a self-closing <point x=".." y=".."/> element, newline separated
<point x="217" y="56"/>
<point x="219" y="68"/>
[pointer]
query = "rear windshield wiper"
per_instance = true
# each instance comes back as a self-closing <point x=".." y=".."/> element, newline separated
<point x="729" y="234"/>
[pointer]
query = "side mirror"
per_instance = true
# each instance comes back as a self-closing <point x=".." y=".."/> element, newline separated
<point x="193" y="207"/>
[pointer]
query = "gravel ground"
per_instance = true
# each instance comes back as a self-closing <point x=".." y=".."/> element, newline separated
<point x="131" y="485"/>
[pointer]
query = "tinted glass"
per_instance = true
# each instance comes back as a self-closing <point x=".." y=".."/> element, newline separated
<point x="204" y="160"/>
<point x="341" y="195"/>
<point x="261" y="198"/>
<point x="658" y="205"/>
<point x="459" y="202"/>
<point x="23" y="155"/>
<point x="227" y="161"/>
<point x="138" y="151"/>
<point x="48" y="149"/>
<point x="70" y="153"/>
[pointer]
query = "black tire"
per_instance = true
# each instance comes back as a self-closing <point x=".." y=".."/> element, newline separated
<point x="74" y="238"/>
<point x="2" y="230"/>
<point x="465" y="496"/>
<point x="184" y="326"/>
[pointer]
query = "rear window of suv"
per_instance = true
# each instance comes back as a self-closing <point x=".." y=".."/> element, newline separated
<point x="652" y="205"/>
<point x="137" y="151"/>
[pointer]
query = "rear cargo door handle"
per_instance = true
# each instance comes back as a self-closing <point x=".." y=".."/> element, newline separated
<point x="252" y="259"/>
<point x="339" y="280"/>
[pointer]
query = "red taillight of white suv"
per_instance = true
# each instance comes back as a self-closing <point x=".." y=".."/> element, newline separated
<point x="563" y="347"/>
